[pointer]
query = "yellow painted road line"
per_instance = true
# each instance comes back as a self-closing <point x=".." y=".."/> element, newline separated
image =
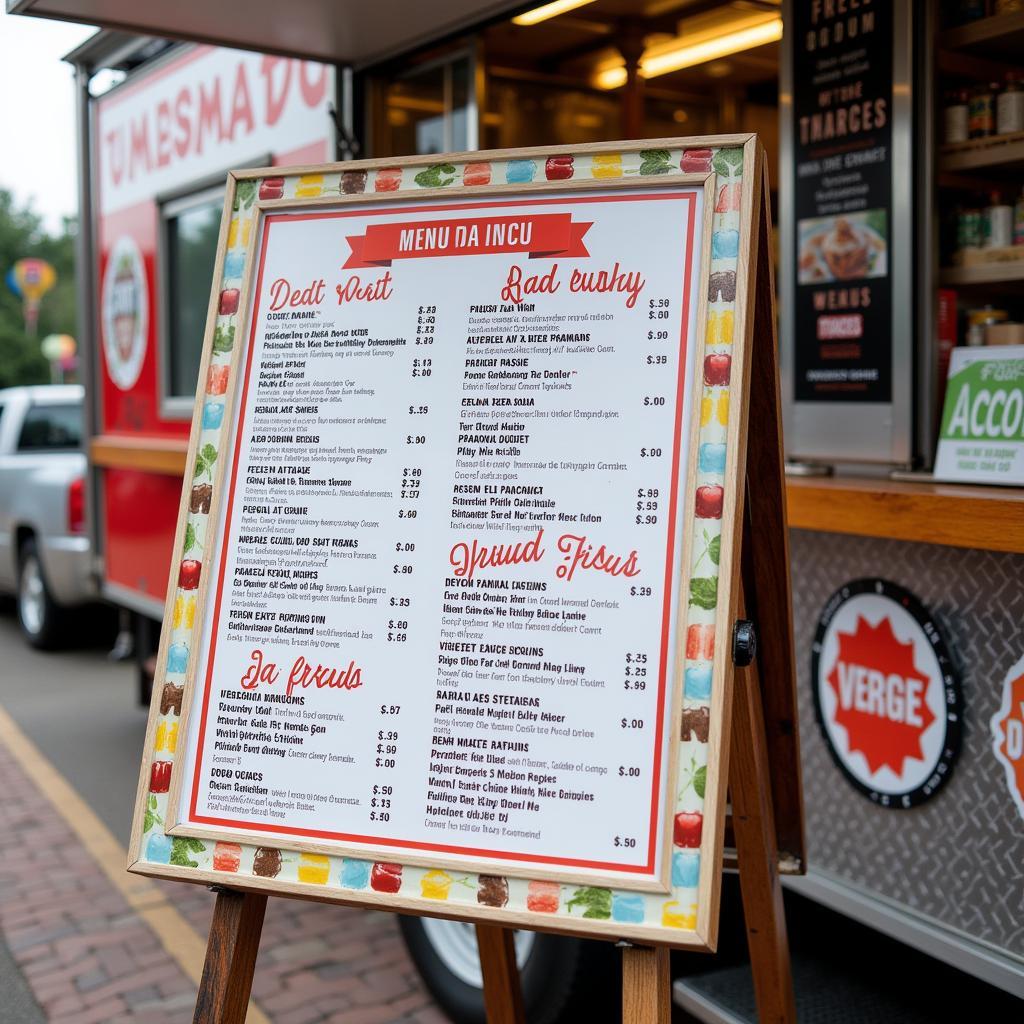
<point x="182" y="942"/>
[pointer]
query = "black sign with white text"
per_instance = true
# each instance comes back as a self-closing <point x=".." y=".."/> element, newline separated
<point x="842" y="149"/>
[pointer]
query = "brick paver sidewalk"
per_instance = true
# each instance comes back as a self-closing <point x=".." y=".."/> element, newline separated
<point x="90" y="959"/>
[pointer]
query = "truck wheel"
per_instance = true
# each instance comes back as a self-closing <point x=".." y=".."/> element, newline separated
<point x="564" y="980"/>
<point x="38" y="614"/>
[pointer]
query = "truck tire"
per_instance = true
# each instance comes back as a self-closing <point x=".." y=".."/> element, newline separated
<point x="564" y="980"/>
<point x="39" y="616"/>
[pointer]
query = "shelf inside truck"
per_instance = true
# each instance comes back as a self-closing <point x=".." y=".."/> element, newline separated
<point x="999" y="36"/>
<point x="996" y="272"/>
<point x="1002" y="152"/>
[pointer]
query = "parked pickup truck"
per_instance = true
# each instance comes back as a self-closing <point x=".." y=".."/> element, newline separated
<point x="44" y="549"/>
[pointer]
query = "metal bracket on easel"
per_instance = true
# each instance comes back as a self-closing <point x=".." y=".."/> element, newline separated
<point x="744" y="643"/>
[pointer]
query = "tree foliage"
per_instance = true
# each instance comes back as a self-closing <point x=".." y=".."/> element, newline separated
<point x="22" y="234"/>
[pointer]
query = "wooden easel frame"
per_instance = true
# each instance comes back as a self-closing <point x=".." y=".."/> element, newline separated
<point x="763" y="699"/>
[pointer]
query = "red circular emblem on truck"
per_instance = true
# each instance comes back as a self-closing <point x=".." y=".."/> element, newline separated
<point x="124" y="308"/>
<point x="886" y="697"/>
<point x="1008" y="733"/>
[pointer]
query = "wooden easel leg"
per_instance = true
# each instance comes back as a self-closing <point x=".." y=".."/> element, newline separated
<point x="503" y="996"/>
<point x="230" y="958"/>
<point x="754" y="828"/>
<point x="766" y="563"/>
<point x="646" y="991"/>
<point x="764" y="596"/>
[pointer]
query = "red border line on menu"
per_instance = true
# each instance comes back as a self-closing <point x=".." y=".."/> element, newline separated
<point x="381" y="841"/>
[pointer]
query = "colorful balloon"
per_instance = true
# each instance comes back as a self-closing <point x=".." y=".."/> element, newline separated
<point x="57" y="346"/>
<point x="30" y="279"/>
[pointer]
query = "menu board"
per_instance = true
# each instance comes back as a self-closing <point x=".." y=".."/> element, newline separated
<point x="842" y="111"/>
<point x="448" y="627"/>
<point x="441" y="618"/>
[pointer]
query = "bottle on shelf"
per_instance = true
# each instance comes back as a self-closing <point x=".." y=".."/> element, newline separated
<point x="978" y="321"/>
<point x="969" y="228"/>
<point x="1010" y="106"/>
<point x="999" y="223"/>
<point x="956" y="117"/>
<point x="1018" y="219"/>
<point x="981" y="116"/>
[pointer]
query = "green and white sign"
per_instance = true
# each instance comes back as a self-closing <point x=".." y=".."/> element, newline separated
<point x="982" y="434"/>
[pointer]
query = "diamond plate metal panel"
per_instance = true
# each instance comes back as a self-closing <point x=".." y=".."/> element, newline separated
<point x="959" y="858"/>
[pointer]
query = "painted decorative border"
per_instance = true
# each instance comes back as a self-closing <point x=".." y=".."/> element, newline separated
<point x="688" y="915"/>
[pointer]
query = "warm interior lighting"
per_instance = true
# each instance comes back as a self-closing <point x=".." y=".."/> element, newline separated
<point x="421" y="103"/>
<point x="545" y="11"/>
<point x="674" y="56"/>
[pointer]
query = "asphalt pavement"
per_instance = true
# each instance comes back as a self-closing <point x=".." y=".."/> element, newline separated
<point x="80" y="709"/>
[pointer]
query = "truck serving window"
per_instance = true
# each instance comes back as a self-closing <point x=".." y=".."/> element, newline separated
<point x="429" y="109"/>
<point x="191" y="225"/>
<point x="51" y="428"/>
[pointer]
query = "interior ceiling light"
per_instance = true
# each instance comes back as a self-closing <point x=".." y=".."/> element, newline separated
<point x="545" y="11"/>
<point x="685" y="52"/>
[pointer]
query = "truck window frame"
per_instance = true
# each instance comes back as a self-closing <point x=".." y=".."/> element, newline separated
<point x="169" y="205"/>
<point x="444" y="60"/>
<point x="169" y="208"/>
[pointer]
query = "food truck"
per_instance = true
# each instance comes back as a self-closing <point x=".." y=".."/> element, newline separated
<point x="895" y="134"/>
<point x="162" y="140"/>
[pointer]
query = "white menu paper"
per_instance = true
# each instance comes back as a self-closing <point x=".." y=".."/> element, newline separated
<point x="441" y="619"/>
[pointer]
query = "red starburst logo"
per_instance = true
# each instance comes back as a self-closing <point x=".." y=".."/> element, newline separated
<point x="881" y="696"/>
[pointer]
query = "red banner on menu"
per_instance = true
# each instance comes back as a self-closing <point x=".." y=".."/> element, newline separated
<point x="540" y="235"/>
